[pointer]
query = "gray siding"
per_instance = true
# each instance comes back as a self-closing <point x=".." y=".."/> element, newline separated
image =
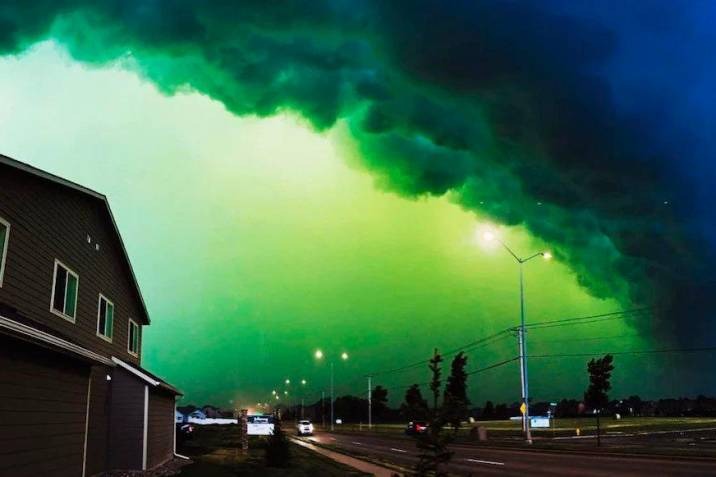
<point x="161" y="428"/>
<point x="98" y="431"/>
<point x="49" y="222"/>
<point x="126" y="421"/>
<point x="43" y="406"/>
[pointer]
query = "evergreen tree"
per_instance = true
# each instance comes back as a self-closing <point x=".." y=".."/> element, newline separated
<point x="379" y="398"/>
<point x="278" y="451"/>
<point x="600" y="372"/>
<point x="415" y="407"/>
<point x="455" y="399"/>
<point x="433" y="442"/>
<point x="489" y="411"/>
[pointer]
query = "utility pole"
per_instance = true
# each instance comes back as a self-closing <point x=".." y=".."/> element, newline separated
<point x="323" y="410"/>
<point x="332" y="399"/>
<point x="521" y="334"/>
<point x="370" y="403"/>
<point x="523" y="360"/>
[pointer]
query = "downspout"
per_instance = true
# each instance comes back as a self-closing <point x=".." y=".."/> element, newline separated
<point x="87" y="412"/>
<point x="146" y="425"/>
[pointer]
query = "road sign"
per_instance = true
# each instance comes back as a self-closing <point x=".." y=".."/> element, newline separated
<point x="523" y="409"/>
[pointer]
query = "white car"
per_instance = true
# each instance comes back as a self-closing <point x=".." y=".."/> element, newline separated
<point x="304" y="428"/>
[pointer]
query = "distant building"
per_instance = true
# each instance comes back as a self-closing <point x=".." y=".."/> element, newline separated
<point x="198" y="414"/>
<point x="76" y="400"/>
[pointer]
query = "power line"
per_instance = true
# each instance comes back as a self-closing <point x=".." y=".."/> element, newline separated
<point x="575" y="340"/>
<point x="645" y="351"/>
<point x="466" y="347"/>
<point x="475" y="371"/>
<point x="493" y="366"/>
<point x="616" y="315"/>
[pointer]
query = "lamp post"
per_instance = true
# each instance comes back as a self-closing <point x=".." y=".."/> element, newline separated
<point x="370" y="403"/>
<point x="319" y="355"/>
<point x="303" y="395"/>
<point x="521" y="336"/>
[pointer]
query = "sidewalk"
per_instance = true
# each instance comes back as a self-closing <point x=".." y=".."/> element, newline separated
<point x="361" y="465"/>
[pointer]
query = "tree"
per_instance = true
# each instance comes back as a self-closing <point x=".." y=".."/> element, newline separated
<point x="455" y="399"/>
<point x="278" y="451"/>
<point x="379" y="399"/>
<point x="415" y="408"/>
<point x="596" y="397"/>
<point x="188" y="409"/>
<point x="350" y="408"/>
<point x="433" y="443"/>
<point x="567" y="408"/>
<point x="489" y="411"/>
<point x="635" y="405"/>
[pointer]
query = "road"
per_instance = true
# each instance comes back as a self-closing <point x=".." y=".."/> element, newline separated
<point x="472" y="460"/>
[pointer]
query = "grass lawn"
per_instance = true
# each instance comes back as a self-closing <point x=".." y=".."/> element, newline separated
<point x="568" y="426"/>
<point x="622" y="435"/>
<point x="214" y="452"/>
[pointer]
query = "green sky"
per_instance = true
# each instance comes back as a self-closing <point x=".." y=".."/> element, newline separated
<point x="256" y="241"/>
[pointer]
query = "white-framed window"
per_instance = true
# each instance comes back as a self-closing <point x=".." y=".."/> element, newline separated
<point x="65" y="284"/>
<point x="4" y="239"/>
<point x="133" y="338"/>
<point x="105" y="318"/>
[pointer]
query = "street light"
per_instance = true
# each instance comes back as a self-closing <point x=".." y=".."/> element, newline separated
<point x="490" y="236"/>
<point x="303" y="396"/>
<point x="319" y="355"/>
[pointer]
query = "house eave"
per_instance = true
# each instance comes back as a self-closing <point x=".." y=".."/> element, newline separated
<point x="12" y="327"/>
<point x="151" y="380"/>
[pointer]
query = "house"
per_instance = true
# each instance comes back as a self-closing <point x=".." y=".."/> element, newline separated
<point x="74" y="398"/>
<point x="198" y="414"/>
<point x="180" y="418"/>
<point x="212" y="412"/>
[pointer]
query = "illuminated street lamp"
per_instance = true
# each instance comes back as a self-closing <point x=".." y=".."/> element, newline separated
<point x="288" y="381"/>
<point x="490" y="236"/>
<point x="344" y="356"/>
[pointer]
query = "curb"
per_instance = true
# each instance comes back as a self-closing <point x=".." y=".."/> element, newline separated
<point x="380" y="463"/>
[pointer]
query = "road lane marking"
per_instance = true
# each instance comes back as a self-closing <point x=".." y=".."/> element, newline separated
<point x="398" y="450"/>
<point x="489" y="462"/>
<point x="356" y="443"/>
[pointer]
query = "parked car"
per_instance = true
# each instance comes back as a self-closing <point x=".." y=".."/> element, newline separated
<point x="416" y="427"/>
<point x="185" y="431"/>
<point x="304" y="428"/>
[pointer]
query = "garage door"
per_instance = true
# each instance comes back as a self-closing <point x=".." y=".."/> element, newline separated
<point x="43" y="406"/>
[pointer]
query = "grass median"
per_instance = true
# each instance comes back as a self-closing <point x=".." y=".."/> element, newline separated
<point x="214" y="452"/>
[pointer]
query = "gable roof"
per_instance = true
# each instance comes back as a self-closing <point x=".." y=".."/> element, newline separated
<point x="21" y="166"/>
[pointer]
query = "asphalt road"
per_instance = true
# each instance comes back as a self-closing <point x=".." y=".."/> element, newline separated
<point x="471" y="460"/>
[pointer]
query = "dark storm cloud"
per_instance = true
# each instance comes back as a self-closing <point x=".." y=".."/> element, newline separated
<point x="530" y="112"/>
